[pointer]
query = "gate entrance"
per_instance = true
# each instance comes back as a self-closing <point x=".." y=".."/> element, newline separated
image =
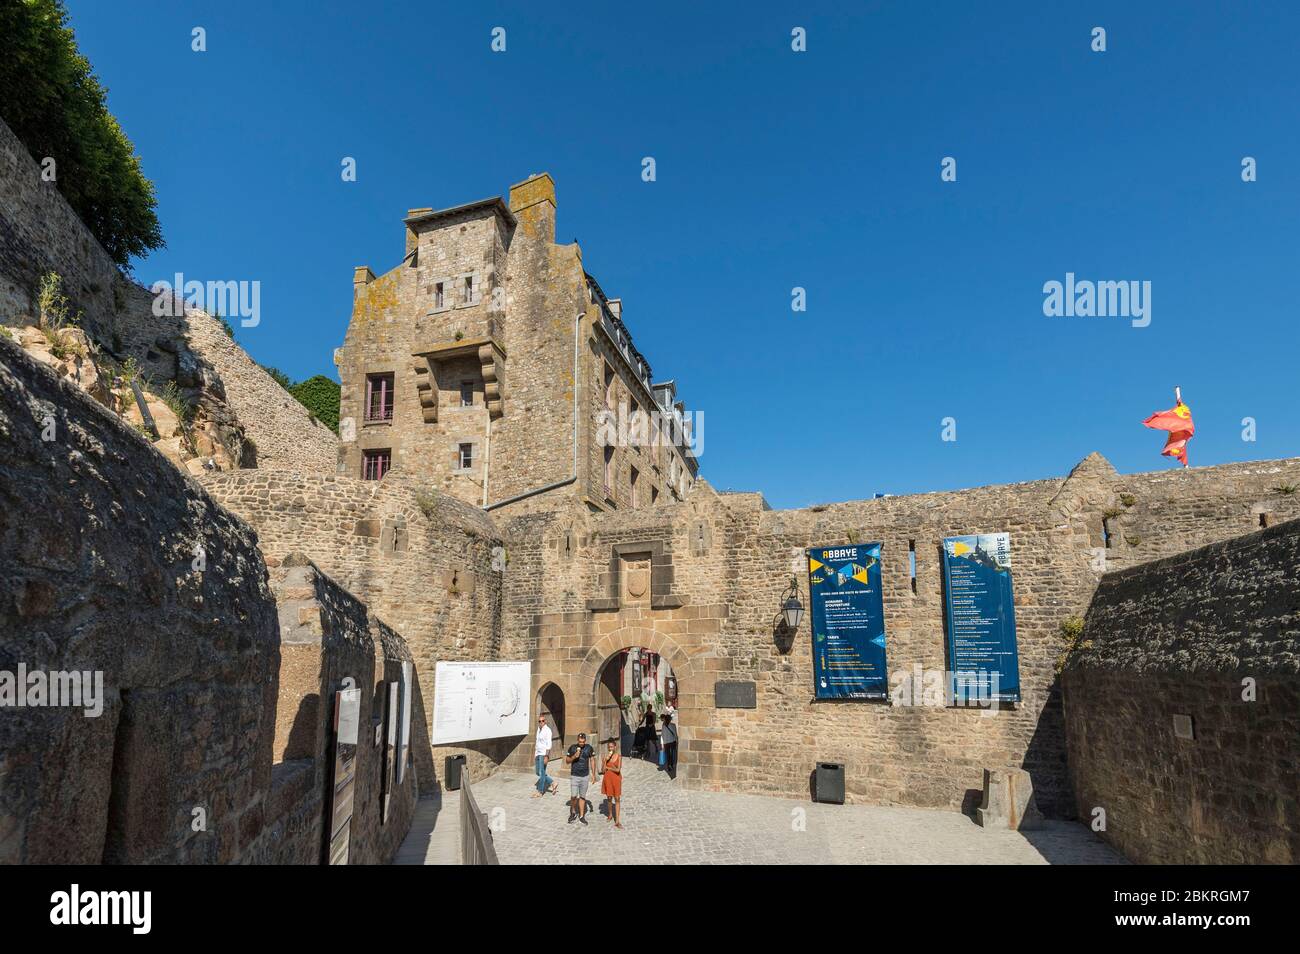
<point x="634" y="688"/>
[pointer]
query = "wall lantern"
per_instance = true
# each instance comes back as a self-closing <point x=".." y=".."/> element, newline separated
<point x="791" y="608"/>
<point x="788" y="618"/>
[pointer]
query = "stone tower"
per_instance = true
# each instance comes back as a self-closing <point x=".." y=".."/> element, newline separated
<point x="489" y="362"/>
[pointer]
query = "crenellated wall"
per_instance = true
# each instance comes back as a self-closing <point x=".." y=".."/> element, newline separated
<point x="725" y="560"/>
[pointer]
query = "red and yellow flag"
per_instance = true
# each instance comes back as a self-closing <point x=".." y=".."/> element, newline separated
<point x="1178" y="422"/>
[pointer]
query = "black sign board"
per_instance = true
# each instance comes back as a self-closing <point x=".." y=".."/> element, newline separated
<point x="735" y="695"/>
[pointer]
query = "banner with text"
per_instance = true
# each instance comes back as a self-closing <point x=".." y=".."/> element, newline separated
<point x="981" y="610"/>
<point x="848" y="622"/>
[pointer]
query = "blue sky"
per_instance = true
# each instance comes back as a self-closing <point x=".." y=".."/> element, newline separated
<point x="778" y="169"/>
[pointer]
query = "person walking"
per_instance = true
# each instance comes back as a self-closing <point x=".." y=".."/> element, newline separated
<point x="579" y="760"/>
<point x="541" y="750"/>
<point x="651" y="736"/>
<point x="670" y="746"/>
<point x="612" y="784"/>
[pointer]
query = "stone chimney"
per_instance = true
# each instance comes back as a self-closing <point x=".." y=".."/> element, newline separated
<point x="412" y="238"/>
<point x="533" y="204"/>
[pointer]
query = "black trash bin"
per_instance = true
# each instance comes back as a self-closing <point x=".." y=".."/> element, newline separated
<point x="828" y="785"/>
<point x="456" y="764"/>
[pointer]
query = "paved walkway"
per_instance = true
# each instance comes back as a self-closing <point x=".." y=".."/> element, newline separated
<point x="434" y="838"/>
<point x="666" y="824"/>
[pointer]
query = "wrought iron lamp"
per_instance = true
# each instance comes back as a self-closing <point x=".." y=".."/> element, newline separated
<point x="791" y="608"/>
<point x="788" y="618"/>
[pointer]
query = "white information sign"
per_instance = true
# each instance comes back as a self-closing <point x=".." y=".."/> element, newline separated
<point x="480" y="700"/>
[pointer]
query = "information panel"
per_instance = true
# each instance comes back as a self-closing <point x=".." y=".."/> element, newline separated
<point x="982" y="651"/>
<point x="848" y="622"/>
<point x="480" y="700"/>
<point x="347" y="722"/>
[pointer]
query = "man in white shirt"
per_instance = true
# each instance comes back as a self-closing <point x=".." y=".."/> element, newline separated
<point x="541" y="749"/>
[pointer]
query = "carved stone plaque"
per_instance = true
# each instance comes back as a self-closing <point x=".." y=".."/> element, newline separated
<point x="735" y="695"/>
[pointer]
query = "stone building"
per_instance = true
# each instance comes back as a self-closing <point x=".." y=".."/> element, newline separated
<point x="482" y="512"/>
<point x="492" y="366"/>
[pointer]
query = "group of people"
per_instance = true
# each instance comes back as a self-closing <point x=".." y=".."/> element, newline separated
<point x="651" y="739"/>
<point x="581" y="759"/>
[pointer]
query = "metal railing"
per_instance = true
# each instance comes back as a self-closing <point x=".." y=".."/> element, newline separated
<point x="476" y="846"/>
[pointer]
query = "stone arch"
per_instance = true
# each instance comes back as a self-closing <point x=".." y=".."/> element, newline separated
<point x="551" y="703"/>
<point x="689" y="676"/>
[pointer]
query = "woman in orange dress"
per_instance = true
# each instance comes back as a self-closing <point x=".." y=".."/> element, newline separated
<point x="612" y="786"/>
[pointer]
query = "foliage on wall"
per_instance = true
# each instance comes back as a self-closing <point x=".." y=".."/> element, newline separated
<point x="319" y="395"/>
<point x="53" y="102"/>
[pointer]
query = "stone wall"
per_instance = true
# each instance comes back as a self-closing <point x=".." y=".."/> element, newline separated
<point x="1182" y="713"/>
<point x="421" y="561"/>
<point x="98" y="537"/>
<point x="280" y="431"/>
<point x="719" y="564"/>
<point x="39" y="233"/>
<point x="212" y="743"/>
<point x="327" y="636"/>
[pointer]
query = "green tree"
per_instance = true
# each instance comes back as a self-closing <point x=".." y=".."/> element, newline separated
<point x="320" y="395"/>
<point x="51" y="99"/>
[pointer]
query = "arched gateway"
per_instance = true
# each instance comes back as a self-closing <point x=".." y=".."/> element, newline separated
<point x="575" y="672"/>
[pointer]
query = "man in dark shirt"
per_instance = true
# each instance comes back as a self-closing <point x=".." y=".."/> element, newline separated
<point x="580" y="760"/>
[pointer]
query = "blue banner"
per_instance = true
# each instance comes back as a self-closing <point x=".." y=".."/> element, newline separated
<point x="982" y="654"/>
<point x="848" y="622"/>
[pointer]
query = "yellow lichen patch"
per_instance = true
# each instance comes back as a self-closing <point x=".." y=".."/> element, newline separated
<point x="376" y="299"/>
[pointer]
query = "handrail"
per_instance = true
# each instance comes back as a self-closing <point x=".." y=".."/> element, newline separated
<point x="476" y="846"/>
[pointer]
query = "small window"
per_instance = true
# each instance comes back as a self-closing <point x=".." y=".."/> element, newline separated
<point x="466" y="454"/>
<point x="467" y="394"/>
<point x="379" y="397"/>
<point x="654" y="496"/>
<point x="375" y="464"/>
<point x="609" y="472"/>
<point x="469" y="289"/>
<point x="911" y="562"/>
<point x="439" y="296"/>
<point x="609" y="387"/>
<point x="632" y="481"/>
